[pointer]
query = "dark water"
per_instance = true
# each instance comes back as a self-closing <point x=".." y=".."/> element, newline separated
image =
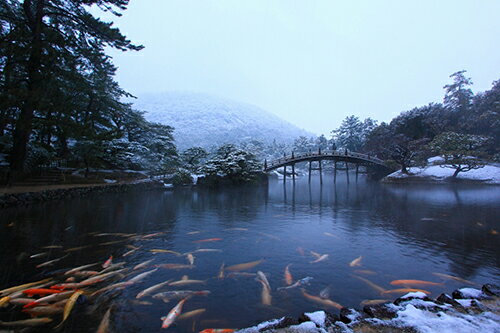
<point x="402" y="232"/>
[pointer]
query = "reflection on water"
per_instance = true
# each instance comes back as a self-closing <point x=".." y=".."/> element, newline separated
<point x="401" y="232"/>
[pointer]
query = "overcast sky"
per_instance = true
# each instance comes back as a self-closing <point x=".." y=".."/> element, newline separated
<point x="311" y="62"/>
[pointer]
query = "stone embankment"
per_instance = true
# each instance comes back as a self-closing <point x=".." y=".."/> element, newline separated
<point x="21" y="197"/>
<point x="466" y="310"/>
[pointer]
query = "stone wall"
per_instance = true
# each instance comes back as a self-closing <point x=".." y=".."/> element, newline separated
<point x="26" y="198"/>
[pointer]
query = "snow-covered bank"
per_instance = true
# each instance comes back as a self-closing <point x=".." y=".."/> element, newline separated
<point x="467" y="310"/>
<point x="489" y="174"/>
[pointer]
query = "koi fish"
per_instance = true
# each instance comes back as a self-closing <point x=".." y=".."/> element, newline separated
<point x="21" y="301"/>
<point x="173" y="314"/>
<point x="152" y="235"/>
<point x="301" y="251"/>
<point x="152" y="289"/>
<point x="414" y="282"/>
<point x="27" y="322"/>
<point x="244" y="274"/>
<point x="325" y="293"/>
<point x="87" y="282"/>
<point x="50" y="262"/>
<point x="119" y="285"/>
<point x="356" y="262"/>
<point x="51" y="298"/>
<point x="329" y="234"/>
<point x="69" y="305"/>
<point x="374" y="301"/>
<point x="262" y="278"/>
<point x="298" y="283"/>
<point x="39" y="255"/>
<point x="191" y="314"/>
<point x="178" y="294"/>
<point x="221" y="272"/>
<point x="238" y="229"/>
<point x="371" y="284"/>
<point x="455" y="278"/>
<point x="104" y="325"/>
<point x="52" y="247"/>
<point x="22" y="286"/>
<point x="142" y="264"/>
<point x="207" y="250"/>
<point x="44" y="311"/>
<point x="112" y="267"/>
<point x="175" y="266"/>
<point x="266" y="297"/>
<point x="74" y="270"/>
<point x="40" y="292"/>
<point x="108" y="262"/>
<point x="165" y="251"/>
<point x="322" y="301"/>
<point x="405" y="291"/>
<point x="218" y="330"/>
<point x="193" y="232"/>
<point x="190" y="258"/>
<point x="365" y="271"/>
<point x="288" y="275"/>
<point x="142" y="276"/>
<point x="184" y="282"/>
<point x="4" y="301"/>
<point x="126" y="254"/>
<point x="244" y="266"/>
<point x="74" y="249"/>
<point x="320" y="258"/>
<point x="207" y="240"/>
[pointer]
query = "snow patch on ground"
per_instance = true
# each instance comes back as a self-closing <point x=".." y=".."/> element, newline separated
<point x="317" y="317"/>
<point x="488" y="174"/>
<point x="417" y="294"/>
<point x="427" y="322"/>
<point x="471" y="292"/>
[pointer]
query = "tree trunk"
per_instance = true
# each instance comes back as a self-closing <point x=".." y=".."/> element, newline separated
<point x="24" y="122"/>
<point x="455" y="174"/>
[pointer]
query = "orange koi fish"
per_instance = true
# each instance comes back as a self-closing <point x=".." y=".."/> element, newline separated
<point x="40" y="292"/>
<point x="322" y="301"/>
<point x="244" y="266"/>
<point x="414" y="282"/>
<point x="288" y="275"/>
<point x="207" y="240"/>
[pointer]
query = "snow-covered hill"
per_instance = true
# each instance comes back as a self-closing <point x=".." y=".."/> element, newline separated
<point x="204" y="120"/>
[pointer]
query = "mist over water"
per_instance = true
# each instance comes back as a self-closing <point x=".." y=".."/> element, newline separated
<point x="401" y="232"/>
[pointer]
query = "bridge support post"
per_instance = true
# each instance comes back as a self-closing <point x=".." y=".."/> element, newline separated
<point x="335" y="172"/>
<point x="357" y="172"/>
<point x="310" y="167"/>
<point x="293" y="172"/>
<point x="320" y="172"/>
<point x="347" y="171"/>
<point x="284" y="173"/>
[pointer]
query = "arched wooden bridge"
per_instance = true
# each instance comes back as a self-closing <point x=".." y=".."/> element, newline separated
<point x="376" y="165"/>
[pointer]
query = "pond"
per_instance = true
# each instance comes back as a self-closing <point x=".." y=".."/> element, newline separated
<point x="353" y="240"/>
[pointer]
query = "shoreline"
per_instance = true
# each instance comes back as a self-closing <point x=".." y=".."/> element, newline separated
<point x="19" y="196"/>
<point x="467" y="309"/>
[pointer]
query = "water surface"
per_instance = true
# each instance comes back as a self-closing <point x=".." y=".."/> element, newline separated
<point x="401" y="232"/>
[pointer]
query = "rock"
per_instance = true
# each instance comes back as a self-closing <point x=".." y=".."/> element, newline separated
<point x="348" y="315"/>
<point x="464" y="293"/>
<point x="446" y="299"/>
<point x="412" y="296"/>
<point x="380" y="311"/>
<point x="491" y="290"/>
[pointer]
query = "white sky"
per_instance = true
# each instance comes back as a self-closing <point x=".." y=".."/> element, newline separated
<point x="311" y="62"/>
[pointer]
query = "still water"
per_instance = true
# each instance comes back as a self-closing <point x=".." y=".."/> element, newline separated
<point x="401" y="232"/>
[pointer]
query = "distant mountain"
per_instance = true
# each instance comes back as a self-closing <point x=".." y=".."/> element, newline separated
<point x="204" y="120"/>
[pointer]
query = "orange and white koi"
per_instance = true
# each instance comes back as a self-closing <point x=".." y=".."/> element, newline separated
<point x="266" y="297"/>
<point x="12" y="290"/>
<point x="81" y="268"/>
<point x="173" y="314"/>
<point x="190" y="258"/>
<point x="40" y="292"/>
<point x="152" y="289"/>
<point x="320" y="258"/>
<point x="108" y="262"/>
<point x="288" y="275"/>
<point x="221" y="272"/>
<point x="142" y="264"/>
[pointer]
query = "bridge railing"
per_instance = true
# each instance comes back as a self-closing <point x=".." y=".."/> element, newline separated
<point x="299" y="156"/>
